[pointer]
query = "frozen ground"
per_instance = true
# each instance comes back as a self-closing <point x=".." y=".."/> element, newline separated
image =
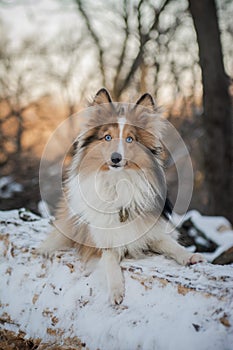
<point x="166" y="306"/>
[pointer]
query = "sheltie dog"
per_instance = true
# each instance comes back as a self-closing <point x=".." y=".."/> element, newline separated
<point x="115" y="200"/>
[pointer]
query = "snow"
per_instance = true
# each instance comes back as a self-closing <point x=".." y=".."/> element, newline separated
<point x="8" y="187"/>
<point x="211" y="226"/>
<point x="166" y="306"/>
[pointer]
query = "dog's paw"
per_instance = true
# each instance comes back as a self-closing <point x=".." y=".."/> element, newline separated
<point x="195" y="259"/>
<point x="40" y="251"/>
<point x="116" y="298"/>
<point x="116" y="295"/>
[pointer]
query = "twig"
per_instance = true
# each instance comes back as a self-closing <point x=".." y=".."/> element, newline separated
<point x="94" y="37"/>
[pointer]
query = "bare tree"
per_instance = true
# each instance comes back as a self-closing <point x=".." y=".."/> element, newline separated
<point x="217" y="119"/>
<point x="16" y="94"/>
<point x="142" y="50"/>
<point x="33" y="74"/>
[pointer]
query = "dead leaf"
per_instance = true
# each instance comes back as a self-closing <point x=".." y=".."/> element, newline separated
<point x="47" y="313"/>
<point x="56" y="332"/>
<point x="71" y="267"/>
<point x="35" y="298"/>
<point x="8" y="271"/>
<point x="54" y="320"/>
<point x="224" y="320"/>
<point x="12" y="251"/>
<point x="182" y="289"/>
<point x="51" y="331"/>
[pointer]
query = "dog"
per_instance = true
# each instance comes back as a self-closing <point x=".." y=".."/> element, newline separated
<point x="115" y="200"/>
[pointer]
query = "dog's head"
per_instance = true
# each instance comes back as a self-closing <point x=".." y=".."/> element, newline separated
<point x="120" y="136"/>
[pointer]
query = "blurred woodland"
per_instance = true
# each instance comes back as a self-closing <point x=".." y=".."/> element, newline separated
<point x="178" y="50"/>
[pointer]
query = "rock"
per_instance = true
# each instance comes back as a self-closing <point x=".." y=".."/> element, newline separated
<point x="224" y="258"/>
<point x="190" y="235"/>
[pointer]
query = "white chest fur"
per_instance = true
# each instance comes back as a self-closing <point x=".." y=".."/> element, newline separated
<point x="98" y="199"/>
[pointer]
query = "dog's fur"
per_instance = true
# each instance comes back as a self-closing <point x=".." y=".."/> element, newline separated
<point x="114" y="207"/>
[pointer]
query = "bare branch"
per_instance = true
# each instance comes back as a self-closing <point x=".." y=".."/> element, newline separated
<point x="94" y="37"/>
<point x="144" y="38"/>
<point x="124" y="46"/>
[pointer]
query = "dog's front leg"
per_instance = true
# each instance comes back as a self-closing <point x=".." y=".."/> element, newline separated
<point x="55" y="241"/>
<point x="169" y="247"/>
<point x="111" y="264"/>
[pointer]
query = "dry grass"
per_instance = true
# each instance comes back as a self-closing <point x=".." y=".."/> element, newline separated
<point x="12" y="341"/>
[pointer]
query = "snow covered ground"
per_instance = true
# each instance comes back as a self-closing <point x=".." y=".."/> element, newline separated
<point x="166" y="306"/>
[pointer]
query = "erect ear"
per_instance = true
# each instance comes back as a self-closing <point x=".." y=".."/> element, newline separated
<point x="146" y="101"/>
<point x="102" y="96"/>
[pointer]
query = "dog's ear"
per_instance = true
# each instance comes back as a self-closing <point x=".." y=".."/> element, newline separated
<point x="147" y="101"/>
<point x="102" y="96"/>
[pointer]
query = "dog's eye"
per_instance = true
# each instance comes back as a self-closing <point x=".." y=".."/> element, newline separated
<point x="108" y="137"/>
<point x="129" y="139"/>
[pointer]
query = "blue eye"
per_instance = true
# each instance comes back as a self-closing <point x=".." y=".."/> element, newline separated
<point x="129" y="139"/>
<point x="108" y="137"/>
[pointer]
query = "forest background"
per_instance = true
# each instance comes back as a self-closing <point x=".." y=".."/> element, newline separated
<point x="56" y="54"/>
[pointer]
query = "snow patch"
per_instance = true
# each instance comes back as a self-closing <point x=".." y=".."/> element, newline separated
<point x="166" y="306"/>
<point x="8" y="187"/>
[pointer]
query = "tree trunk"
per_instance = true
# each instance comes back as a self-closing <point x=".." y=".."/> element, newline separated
<point x="217" y="121"/>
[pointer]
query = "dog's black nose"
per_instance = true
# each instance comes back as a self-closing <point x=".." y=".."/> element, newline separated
<point x="116" y="157"/>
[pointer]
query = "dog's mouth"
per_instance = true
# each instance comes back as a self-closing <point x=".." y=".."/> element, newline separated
<point x="118" y="166"/>
<point x="115" y="166"/>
